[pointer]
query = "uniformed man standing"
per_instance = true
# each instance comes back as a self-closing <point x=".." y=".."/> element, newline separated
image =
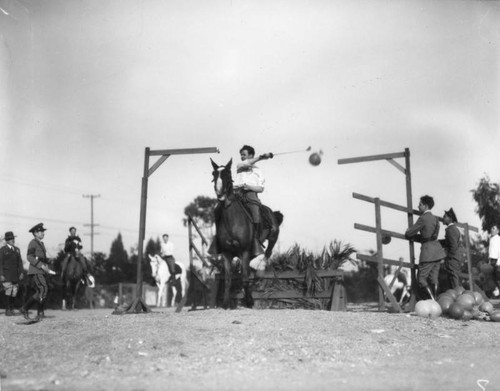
<point x="11" y="271"/>
<point x="37" y="272"/>
<point x="452" y="244"/>
<point x="426" y="231"/>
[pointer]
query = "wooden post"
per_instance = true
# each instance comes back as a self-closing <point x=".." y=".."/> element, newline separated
<point x="380" y="255"/>
<point x="409" y="204"/>
<point x="469" y="262"/>
<point x="139" y="305"/>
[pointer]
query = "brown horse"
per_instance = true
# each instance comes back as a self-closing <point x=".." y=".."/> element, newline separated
<point x="235" y="232"/>
<point x="71" y="283"/>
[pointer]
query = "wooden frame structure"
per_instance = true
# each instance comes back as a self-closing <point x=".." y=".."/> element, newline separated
<point x="379" y="258"/>
<point x="139" y="305"/>
<point x="389" y="157"/>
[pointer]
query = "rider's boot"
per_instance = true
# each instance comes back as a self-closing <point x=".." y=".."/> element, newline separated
<point x="9" y="308"/>
<point x="40" y="311"/>
<point x="257" y="246"/>
<point x="26" y="307"/>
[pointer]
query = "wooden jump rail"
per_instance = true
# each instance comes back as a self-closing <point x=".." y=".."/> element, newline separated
<point x="335" y="293"/>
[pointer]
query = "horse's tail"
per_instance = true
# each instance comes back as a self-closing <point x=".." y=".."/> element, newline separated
<point x="278" y="216"/>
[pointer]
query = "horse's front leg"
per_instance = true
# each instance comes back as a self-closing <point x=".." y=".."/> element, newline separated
<point x="161" y="288"/>
<point x="245" y="272"/>
<point x="64" y="296"/>
<point x="227" y="281"/>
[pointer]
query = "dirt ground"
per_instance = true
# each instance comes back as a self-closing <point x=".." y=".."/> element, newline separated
<point x="242" y="349"/>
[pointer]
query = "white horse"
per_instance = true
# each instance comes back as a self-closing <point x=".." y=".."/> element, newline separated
<point x="161" y="274"/>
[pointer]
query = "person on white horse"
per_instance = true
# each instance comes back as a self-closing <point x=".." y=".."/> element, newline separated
<point x="167" y="254"/>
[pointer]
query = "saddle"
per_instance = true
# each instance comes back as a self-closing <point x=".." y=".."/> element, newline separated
<point x="265" y="212"/>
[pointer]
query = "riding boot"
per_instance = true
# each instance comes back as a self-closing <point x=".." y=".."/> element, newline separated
<point x="257" y="247"/>
<point x="40" y="310"/>
<point x="9" y="307"/>
<point x="26" y="307"/>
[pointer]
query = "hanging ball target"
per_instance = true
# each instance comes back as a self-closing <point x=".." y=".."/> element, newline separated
<point x="386" y="239"/>
<point x="315" y="159"/>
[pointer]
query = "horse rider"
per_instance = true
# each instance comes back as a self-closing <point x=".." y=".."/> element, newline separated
<point x="248" y="183"/>
<point x="72" y="238"/>
<point x="167" y="254"/>
<point x="74" y="251"/>
<point x="38" y="269"/>
<point x="11" y="271"/>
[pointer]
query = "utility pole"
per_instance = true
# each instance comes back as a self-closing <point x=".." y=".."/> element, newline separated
<point x="92" y="225"/>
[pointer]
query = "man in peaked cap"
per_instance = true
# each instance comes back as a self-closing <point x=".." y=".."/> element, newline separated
<point x="37" y="272"/>
<point x="455" y="253"/>
<point x="11" y="271"/>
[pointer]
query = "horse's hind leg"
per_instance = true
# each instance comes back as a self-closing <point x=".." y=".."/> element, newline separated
<point x="271" y="242"/>
<point x="245" y="270"/>
<point x="227" y="282"/>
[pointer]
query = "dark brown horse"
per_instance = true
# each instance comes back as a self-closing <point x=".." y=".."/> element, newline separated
<point x="71" y="283"/>
<point x="235" y="232"/>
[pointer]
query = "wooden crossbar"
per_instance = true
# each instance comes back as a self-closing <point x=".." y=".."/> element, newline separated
<point x="374" y="259"/>
<point x="371" y="158"/>
<point x="407" y="210"/>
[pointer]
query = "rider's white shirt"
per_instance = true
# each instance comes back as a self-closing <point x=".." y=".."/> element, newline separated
<point x="167" y="249"/>
<point x="248" y="175"/>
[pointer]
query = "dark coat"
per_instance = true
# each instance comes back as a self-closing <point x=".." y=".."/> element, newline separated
<point x="452" y="243"/>
<point x="11" y="264"/>
<point x="428" y="227"/>
<point x="37" y="255"/>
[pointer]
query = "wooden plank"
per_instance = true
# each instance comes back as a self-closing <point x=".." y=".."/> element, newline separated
<point x="286" y="294"/>
<point x="408" y="209"/>
<point x="397" y="165"/>
<point x="386" y="204"/>
<point x="367" y="228"/>
<point x="203" y="240"/>
<point x="373" y="259"/>
<point x="185" y="151"/>
<point x="380" y="253"/>
<point x="388" y="293"/>
<point x="269" y="275"/>
<point x="371" y="158"/>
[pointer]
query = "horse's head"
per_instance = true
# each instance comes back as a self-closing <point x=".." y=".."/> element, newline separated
<point x="223" y="181"/>
<point x="155" y="263"/>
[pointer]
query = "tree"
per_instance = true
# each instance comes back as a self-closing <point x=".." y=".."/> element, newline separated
<point x="487" y="197"/>
<point x="118" y="268"/>
<point x="201" y="211"/>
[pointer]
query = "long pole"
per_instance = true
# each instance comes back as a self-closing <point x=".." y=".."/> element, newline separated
<point x="409" y="204"/>
<point x="91" y="196"/>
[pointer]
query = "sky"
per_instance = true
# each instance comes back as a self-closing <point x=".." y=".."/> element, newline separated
<point x="86" y="86"/>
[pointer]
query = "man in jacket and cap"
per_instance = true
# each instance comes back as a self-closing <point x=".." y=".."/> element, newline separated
<point x="452" y="244"/>
<point x="426" y="231"/>
<point x="72" y="238"/>
<point x="37" y="272"/>
<point x="11" y="271"/>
